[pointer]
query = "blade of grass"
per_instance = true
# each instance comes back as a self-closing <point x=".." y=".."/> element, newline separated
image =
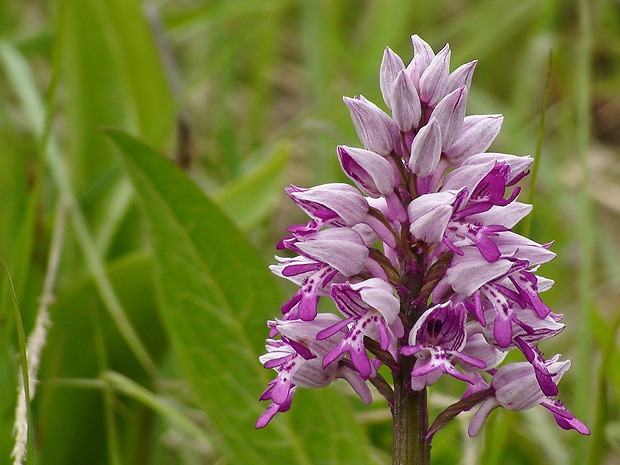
<point x="541" y="131"/>
<point x="23" y="429"/>
<point x="158" y="404"/>
<point x="108" y="396"/>
<point x="602" y="401"/>
<point x="18" y="72"/>
<point x="585" y="230"/>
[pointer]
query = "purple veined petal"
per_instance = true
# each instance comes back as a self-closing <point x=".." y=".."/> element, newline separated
<point x="371" y="172"/>
<point x="516" y="387"/>
<point x="433" y="361"/>
<point x="426" y="365"/>
<point x="431" y="226"/>
<point x="420" y="382"/>
<point x="426" y="149"/>
<point x="442" y="326"/>
<point x="396" y="209"/>
<point x="468" y="176"/>
<point x="477" y="134"/>
<point x="526" y="284"/>
<point x="368" y="299"/>
<point x="307" y="307"/>
<point x="530" y="328"/>
<point x="383" y="232"/>
<point x="512" y="244"/>
<point x="470" y="271"/>
<point x="346" y="205"/>
<point x="412" y="350"/>
<point x="478" y="347"/>
<point x="564" y="418"/>
<point x="434" y="79"/>
<point x="477" y="310"/>
<point x="406" y="108"/>
<point x="305" y="332"/>
<point x="544" y="376"/>
<point x="366" y="233"/>
<point x="274" y="408"/>
<point x="379" y="295"/>
<point x="329" y="332"/>
<point x="357" y="383"/>
<point x="479" y="235"/>
<point x="487" y="406"/>
<point x="507" y="216"/>
<point x="447" y="368"/>
<point x="429" y="215"/>
<point x="341" y="248"/>
<point x="461" y="76"/>
<point x="422" y="56"/>
<point x="303" y="304"/>
<point x="391" y="66"/>
<point x="518" y="165"/>
<point x="353" y="344"/>
<point x="501" y="316"/>
<point x="280" y="390"/>
<point x="502" y="328"/>
<point x="471" y="361"/>
<point x="295" y="269"/>
<point x="375" y="129"/>
<point x="450" y="113"/>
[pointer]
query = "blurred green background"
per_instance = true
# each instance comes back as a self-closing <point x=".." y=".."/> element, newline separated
<point x="246" y="97"/>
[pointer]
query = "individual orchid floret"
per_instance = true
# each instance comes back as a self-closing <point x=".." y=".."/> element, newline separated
<point x="391" y="67"/>
<point x="374" y="176"/>
<point x="297" y="359"/>
<point x="461" y="76"/>
<point x="370" y="309"/>
<point x="422" y="56"/>
<point x="515" y="388"/>
<point x="336" y="203"/>
<point x="406" y="107"/>
<point x="426" y="149"/>
<point x="375" y="129"/>
<point x="450" y="113"/>
<point x="372" y="173"/>
<point x="434" y="79"/>
<point x="341" y="248"/>
<point x="436" y="340"/>
<point x="477" y="134"/>
<point x="431" y="213"/>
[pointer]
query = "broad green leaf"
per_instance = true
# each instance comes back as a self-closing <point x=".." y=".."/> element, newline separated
<point x="215" y="294"/>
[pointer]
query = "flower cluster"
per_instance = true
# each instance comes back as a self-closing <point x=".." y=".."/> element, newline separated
<point x="450" y="284"/>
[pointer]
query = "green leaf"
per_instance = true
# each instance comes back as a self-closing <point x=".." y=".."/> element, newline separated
<point x="112" y="75"/>
<point x="215" y="294"/>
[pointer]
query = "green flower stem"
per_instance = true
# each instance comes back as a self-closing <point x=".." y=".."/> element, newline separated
<point x="410" y="417"/>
